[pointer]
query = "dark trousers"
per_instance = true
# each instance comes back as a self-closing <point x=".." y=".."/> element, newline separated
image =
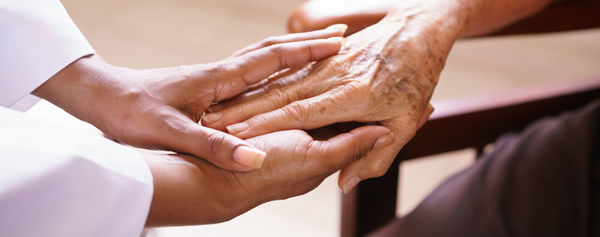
<point x="544" y="181"/>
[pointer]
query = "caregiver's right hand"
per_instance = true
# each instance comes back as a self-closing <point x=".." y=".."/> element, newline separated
<point x="188" y="191"/>
<point x="160" y="108"/>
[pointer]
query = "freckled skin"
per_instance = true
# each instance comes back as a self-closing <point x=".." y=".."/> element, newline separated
<point x="385" y="73"/>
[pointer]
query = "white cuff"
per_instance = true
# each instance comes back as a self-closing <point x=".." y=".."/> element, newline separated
<point x="38" y="40"/>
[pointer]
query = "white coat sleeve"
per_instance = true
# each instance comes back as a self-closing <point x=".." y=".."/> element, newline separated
<point x="37" y="39"/>
<point x="66" y="183"/>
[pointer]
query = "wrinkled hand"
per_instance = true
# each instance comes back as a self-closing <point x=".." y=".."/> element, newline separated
<point x="161" y="108"/>
<point x="385" y="73"/>
<point x="191" y="191"/>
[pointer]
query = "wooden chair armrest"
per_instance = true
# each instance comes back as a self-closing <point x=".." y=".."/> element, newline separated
<point x="478" y="121"/>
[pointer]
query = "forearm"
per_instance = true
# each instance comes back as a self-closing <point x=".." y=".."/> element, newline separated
<point x="467" y="18"/>
<point x="485" y="16"/>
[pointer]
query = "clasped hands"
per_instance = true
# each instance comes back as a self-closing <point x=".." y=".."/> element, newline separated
<point x="162" y="109"/>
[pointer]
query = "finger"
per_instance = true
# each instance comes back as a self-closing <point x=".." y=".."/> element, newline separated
<point x="377" y="162"/>
<point x="272" y="100"/>
<point x="245" y="97"/>
<point x="257" y="65"/>
<point x="425" y="116"/>
<point x="306" y="114"/>
<point x="290" y="87"/>
<point x="257" y="90"/>
<point x="342" y="149"/>
<point x="336" y="30"/>
<point x="324" y="133"/>
<point x="219" y="148"/>
<point x="236" y="114"/>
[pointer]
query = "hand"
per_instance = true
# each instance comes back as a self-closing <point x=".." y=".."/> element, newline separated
<point x="189" y="191"/>
<point x="385" y="73"/>
<point x="160" y="108"/>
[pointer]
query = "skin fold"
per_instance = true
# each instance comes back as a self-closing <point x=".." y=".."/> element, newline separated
<point x="385" y="73"/>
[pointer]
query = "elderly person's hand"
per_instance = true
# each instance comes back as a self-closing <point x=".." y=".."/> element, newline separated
<point x="385" y="73"/>
<point x="161" y="108"/>
<point x="190" y="191"/>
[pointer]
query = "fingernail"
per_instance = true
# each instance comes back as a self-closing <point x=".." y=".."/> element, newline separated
<point x="350" y="184"/>
<point x="384" y="140"/>
<point x="249" y="157"/>
<point x="430" y="107"/>
<point x="237" y="128"/>
<point x="211" y="117"/>
<point x="341" y="27"/>
<point x="341" y="40"/>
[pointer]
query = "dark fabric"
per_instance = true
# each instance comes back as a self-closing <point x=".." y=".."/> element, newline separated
<point x="542" y="182"/>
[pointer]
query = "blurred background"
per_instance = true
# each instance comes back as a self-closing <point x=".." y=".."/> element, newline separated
<point x="156" y="33"/>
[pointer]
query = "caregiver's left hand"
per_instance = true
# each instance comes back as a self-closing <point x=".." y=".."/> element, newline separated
<point x="160" y="108"/>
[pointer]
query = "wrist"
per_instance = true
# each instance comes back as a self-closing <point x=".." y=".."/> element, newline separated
<point x="419" y="32"/>
<point x="444" y="20"/>
<point x="74" y="87"/>
<point x="467" y="18"/>
<point x="85" y="89"/>
<point x="190" y="191"/>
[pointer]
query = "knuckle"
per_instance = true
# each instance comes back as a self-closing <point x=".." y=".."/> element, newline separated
<point x="272" y="40"/>
<point x="310" y="52"/>
<point x="378" y="167"/>
<point x="272" y="86"/>
<point x="213" y="142"/>
<point x="339" y="64"/>
<point x="279" y="97"/>
<point x="219" y="69"/>
<point x="318" y="151"/>
<point x="299" y="111"/>
<point x="260" y="120"/>
<point x="278" y="50"/>
<point x="357" y="152"/>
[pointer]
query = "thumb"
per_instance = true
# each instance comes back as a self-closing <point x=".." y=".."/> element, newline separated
<point x="347" y="147"/>
<point x="219" y="148"/>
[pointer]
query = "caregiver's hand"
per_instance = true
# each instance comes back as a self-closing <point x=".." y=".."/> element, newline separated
<point x="160" y="108"/>
<point x="189" y="191"/>
<point x="385" y="73"/>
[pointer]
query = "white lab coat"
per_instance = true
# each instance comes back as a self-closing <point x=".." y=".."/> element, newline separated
<point x="55" y="180"/>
